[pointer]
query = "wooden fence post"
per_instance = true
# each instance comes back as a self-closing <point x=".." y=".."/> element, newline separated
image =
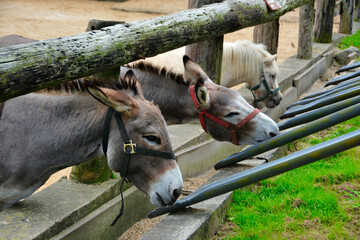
<point x="267" y="34"/>
<point x="346" y="16"/>
<point x="306" y="24"/>
<point x="207" y="53"/>
<point x="324" y="20"/>
<point x="357" y="11"/>
<point x="95" y="170"/>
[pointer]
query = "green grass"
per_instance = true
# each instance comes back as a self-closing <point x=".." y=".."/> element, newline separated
<point x="316" y="201"/>
<point x="353" y="40"/>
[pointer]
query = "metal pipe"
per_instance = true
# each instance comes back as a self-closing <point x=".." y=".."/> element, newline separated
<point x="329" y="93"/>
<point x="322" y="102"/>
<point x="264" y="171"/>
<point x="292" y="135"/>
<point x="318" y="113"/>
<point x="342" y="78"/>
<point x="348" y="67"/>
<point x="340" y="85"/>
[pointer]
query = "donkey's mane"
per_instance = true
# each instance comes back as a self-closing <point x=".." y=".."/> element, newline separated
<point x="79" y="85"/>
<point x="160" y="71"/>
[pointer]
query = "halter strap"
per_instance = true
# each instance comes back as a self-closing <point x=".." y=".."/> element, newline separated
<point x="232" y="128"/>
<point x="129" y="148"/>
<point x="269" y="92"/>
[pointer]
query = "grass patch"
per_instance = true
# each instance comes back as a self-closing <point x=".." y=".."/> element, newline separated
<point x="353" y="40"/>
<point x="317" y="201"/>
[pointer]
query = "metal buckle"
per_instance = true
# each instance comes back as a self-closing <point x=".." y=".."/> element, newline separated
<point x="130" y="144"/>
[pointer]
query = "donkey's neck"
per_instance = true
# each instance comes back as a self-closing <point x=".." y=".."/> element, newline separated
<point x="49" y="132"/>
<point x="173" y="98"/>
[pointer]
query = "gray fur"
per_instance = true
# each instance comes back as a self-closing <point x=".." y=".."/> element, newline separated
<point x="166" y="93"/>
<point x="42" y="134"/>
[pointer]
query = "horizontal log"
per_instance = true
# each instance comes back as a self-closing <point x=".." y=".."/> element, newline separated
<point x="34" y="66"/>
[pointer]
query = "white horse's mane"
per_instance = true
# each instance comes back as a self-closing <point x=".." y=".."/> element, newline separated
<point x="242" y="62"/>
<point x="246" y="56"/>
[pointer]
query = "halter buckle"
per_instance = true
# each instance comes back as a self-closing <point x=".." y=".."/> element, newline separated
<point x="131" y="145"/>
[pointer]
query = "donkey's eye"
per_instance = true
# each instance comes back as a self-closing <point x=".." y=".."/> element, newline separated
<point x="231" y="114"/>
<point x="152" y="139"/>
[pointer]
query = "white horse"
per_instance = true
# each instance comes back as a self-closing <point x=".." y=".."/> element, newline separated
<point x="243" y="62"/>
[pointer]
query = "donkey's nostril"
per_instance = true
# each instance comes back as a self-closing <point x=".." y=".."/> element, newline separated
<point x="176" y="193"/>
<point x="272" y="134"/>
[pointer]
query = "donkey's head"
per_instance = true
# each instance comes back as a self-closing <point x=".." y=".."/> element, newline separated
<point x="229" y="106"/>
<point x="268" y="89"/>
<point x="158" y="176"/>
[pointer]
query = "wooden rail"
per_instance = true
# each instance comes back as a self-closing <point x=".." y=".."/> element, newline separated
<point x="30" y="67"/>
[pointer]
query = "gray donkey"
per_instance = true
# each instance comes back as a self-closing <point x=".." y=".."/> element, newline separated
<point x="44" y="132"/>
<point x="223" y="112"/>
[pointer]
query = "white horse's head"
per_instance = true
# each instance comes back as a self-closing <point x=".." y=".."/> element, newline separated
<point x="247" y="62"/>
<point x="270" y="89"/>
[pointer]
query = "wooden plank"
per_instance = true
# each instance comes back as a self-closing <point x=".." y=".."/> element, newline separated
<point x="337" y="8"/>
<point x="34" y="66"/>
<point x="346" y="17"/>
<point x="324" y="21"/>
<point x="305" y="38"/>
<point x="207" y="53"/>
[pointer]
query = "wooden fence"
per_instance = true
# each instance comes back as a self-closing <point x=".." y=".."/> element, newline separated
<point x="30" y="67"/>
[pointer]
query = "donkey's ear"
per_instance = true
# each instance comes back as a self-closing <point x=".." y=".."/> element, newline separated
<point x="202" y="95"/>
<point x="115" y="99"/>
<point x="194" y="72"/>
<point x="270" y="59"/>
<point x="130" y="84"/>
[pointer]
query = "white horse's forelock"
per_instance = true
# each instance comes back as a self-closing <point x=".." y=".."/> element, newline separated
<point x="246" y="56"/>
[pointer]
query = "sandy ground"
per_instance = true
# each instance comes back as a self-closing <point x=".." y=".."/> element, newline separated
<point x="44" y="19"/>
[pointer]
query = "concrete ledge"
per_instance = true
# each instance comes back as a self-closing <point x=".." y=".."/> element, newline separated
<point x="199" y="158"/>
<point x="304" y="81"/>
<point x="201" y="220"/>
<point x="48" y="212"/>
<point x="96" y="225"/>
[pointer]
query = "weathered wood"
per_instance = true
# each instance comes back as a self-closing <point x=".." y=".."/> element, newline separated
<point x="96" y="24"/>
<point x="346" y="16"/>
<point x="357" y="11"/>
<point x="305" y="38"/>
<point x="324" y="20"/>
<point x="207" y="53"/>
<point x="33" y="66"/>
<point x="337" y="8"/>
<point x="267" y="34"/>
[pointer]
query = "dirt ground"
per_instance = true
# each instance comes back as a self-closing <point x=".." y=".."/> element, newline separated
<point x="44" y="19"/>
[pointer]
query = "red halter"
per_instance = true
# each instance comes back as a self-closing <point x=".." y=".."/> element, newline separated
<point x="232" y="128"/>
